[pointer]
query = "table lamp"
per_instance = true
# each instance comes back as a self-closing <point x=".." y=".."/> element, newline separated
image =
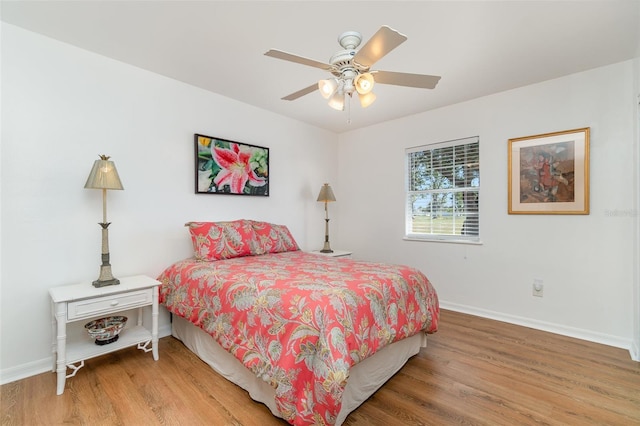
<point x="326" y="195"/>
<point x="104" y="176"/>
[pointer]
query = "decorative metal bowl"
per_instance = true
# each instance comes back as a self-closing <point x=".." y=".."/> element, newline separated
<point x="106" y="330"/>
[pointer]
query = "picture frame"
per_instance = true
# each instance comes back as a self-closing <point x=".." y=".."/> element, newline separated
<point x="223" y="166"/>
<point x="549" y="173"/>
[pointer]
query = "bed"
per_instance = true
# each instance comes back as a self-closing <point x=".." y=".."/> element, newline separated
<point x="310" y="336"/>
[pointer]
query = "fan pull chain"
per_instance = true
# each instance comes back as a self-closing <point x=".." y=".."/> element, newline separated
<point x="349" y="109"/>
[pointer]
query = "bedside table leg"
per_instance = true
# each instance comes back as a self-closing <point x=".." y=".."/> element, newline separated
<point x="61" y="352"/>
<point x="54" y="337"/>
<point x="154" y="323"/>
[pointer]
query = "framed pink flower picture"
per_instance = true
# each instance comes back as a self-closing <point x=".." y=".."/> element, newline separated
<point x="228" y="167"/>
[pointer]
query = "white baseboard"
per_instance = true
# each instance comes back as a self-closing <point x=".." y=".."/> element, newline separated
<point x="44" y="365"/>
<point x="563" y="330"/>
<point x="23" y="371"/>
<point x="635" y="352"/>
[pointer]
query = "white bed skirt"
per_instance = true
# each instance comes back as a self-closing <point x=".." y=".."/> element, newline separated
<point x="364" y="378"/>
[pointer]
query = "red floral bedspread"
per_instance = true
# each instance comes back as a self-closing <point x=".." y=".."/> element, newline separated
<point x="299" y="320"/>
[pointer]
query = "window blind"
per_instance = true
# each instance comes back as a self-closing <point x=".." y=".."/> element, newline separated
<point x="443" y="190"/>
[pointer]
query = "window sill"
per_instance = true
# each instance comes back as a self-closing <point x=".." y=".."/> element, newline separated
<point x="443" y="240"/>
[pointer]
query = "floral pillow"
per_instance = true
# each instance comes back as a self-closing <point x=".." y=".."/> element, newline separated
<point x="223" y="240"/>
<point x="274" y="238"/>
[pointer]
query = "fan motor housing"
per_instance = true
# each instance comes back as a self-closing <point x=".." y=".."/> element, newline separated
<point x="341" y="61"/>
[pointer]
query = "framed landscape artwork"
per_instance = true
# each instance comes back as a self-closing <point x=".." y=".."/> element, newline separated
<point x="228" y="167"/>
<point x="549" y="173"/>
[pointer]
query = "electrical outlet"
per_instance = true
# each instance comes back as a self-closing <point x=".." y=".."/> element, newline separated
<point x="538" y="287"/>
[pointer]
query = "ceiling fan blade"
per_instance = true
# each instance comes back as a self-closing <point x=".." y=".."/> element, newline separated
<point x="300" y="93"/>
<point x="405" y="79"/>
<point x="279" y="54"/>
<point x="382" y="42"/>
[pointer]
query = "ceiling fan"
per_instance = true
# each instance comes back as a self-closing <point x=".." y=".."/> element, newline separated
<point x="351" y="69"/>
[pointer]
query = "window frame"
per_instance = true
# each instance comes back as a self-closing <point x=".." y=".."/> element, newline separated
<point x="410" y="234"/>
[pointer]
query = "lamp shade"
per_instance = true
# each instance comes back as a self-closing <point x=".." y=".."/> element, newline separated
<point x="368" y="99"/>
<point x="103" y="175"/>
<point x="327" y="87"/>
<point x="364" y="83"/>
<point x="337" y="101"/>
<point x="326" y="194"/>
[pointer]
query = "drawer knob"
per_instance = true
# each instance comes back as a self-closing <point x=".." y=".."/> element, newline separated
<point x="114" y="303"/>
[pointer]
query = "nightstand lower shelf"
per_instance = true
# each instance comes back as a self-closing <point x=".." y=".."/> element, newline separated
<point x="83" y="350"/>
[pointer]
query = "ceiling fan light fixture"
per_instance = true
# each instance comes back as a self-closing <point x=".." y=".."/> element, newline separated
<point x="364" y="83"/>
<point x="337" y="101"/>
<point x="367" y="99"/>
<point x="327" y="87"/>
<point x="351" y="70"/>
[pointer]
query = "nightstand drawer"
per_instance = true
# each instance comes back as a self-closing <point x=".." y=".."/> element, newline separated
<point x="118" y="302"/>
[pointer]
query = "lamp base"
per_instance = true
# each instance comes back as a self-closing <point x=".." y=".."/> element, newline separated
<point x="106" y="277"/>
<point x="327" y="247"/>
<point x="104" y="283"/>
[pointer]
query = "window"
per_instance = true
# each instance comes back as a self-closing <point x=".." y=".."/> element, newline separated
<point x="442" y="192"/>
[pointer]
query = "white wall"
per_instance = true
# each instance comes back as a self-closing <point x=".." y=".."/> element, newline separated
<point x="586" y="262"/>
<point x="61" y="108"/>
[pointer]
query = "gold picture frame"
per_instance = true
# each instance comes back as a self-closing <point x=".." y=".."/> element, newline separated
<point x="549" y="173"/>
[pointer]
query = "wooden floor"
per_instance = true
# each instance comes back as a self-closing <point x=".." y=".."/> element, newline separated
<point x="474" y="371"/>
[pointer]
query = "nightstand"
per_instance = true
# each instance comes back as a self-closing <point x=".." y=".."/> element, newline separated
<point x="335" y="253"/>
<point x="83" y="301"/>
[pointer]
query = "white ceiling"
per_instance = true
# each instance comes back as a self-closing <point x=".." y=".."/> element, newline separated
<point x="478" y="47"/>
